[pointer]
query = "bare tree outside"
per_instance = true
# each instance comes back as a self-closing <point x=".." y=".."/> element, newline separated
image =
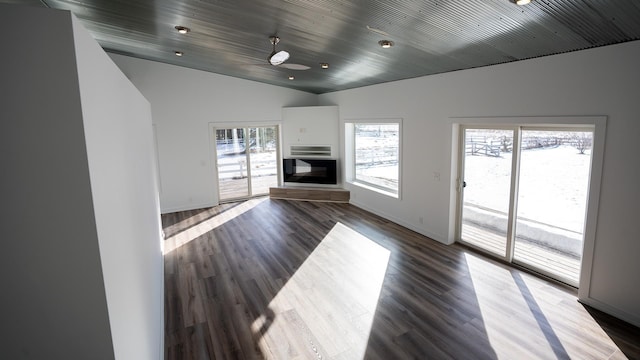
<point x="582" y="141"/>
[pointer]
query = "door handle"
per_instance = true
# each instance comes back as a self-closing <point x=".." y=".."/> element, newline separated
<point x="461" y="184"/>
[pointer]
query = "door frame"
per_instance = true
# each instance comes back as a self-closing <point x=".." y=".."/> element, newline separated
<point x="213" y="159"/>
<point x="597" y="124"/>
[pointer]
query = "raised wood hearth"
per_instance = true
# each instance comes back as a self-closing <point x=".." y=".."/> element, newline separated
<point x="310" y="194"/>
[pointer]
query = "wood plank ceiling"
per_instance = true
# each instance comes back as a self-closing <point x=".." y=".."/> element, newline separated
<point x="231" y="37"/>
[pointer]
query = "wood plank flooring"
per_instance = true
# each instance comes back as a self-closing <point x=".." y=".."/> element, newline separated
<point x="280" y="279"/>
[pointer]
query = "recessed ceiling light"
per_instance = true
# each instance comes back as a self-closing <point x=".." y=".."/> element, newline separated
<point x="182" y="29"/>
<point x="385" y="43"/>
<point x="324" y="65"/>
<point x="179" y="53"/>
<point x="522" y="2"/>
<point x="291" y="77"/>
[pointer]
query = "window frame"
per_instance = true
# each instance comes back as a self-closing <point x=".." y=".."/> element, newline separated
<point x="350" y="156"/>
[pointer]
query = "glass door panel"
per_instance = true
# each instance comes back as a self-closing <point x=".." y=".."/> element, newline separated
<point x="552" y="198"/>
<point x="487" y="165"/>
<point x="263" y="157"/>
<point x="247" y="161"/>
<point x="233" y="181"/>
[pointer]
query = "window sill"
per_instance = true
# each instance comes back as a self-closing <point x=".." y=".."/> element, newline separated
<point x="388" y="193"/>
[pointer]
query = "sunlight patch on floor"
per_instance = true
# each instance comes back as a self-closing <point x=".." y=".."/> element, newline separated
<point x="548" y="304"/>
<point x="194" y="232"/>
<point x="500" y="325"/>
<point x="327" y="308"/>
<point x="520" y="320"/>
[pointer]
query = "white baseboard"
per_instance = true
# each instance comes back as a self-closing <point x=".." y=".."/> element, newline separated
<point x="613" y="311"/>
<point x="438" y="238"/>
<point x="185" y="207"/>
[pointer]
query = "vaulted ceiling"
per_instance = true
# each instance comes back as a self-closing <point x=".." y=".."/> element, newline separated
<point x="231" y="37"/>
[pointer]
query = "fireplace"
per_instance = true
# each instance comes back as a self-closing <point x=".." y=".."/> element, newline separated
<point x="310" y="171"/>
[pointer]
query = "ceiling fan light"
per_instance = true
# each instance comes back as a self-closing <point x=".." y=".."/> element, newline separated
<point x="522" y="2"/>
<point x="277" y="58"/>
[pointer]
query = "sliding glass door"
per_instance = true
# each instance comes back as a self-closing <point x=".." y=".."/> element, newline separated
<point x="263" y="158"/>
<point x="524" y="195"/>
<point x="247" y="161"/>
<point x="487" y="178"/>
<point x="552" y="201"/>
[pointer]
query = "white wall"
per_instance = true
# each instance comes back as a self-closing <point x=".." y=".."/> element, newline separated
<point x="53" y="297"/>
<point x="311" y="125"/>
<point x="603" y="81"/>
<point x="119" y="138"/>
<point x="80" y="221"/>
<point x="184" y="102"/>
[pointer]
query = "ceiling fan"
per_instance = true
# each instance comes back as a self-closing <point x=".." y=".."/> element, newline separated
<point x="279" y="58"/>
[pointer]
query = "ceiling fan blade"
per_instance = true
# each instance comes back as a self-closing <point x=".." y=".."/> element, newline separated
<point x="295" y="66"/>
<point x="378" y="31"/>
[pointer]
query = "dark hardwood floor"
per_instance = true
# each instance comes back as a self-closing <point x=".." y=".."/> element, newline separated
<point x="281" y="279"/>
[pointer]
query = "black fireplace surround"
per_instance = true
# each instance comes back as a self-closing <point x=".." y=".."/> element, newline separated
<point x="310" y="171"/>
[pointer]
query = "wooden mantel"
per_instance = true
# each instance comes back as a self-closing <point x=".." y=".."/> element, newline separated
<point x="310" y="194"/>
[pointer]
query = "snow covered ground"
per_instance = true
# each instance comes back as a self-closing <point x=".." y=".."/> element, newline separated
<point x="377" y="157"/>
<point x="553" y="185"/>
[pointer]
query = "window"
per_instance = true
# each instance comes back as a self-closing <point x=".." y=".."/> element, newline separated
<point x="373" y="155"/>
